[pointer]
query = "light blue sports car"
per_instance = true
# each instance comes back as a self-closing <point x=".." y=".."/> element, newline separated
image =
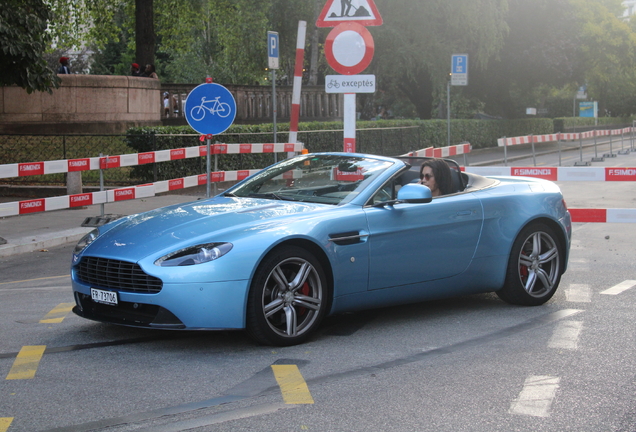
<point x="322" y="234"/>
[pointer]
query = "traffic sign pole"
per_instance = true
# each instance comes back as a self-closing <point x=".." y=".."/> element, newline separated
<point x="208" y="167"/>
<point x="349" y="123"/>
<point x="273" y="58"/>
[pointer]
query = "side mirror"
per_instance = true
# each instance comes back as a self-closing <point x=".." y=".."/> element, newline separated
<point x="414" y="194"/>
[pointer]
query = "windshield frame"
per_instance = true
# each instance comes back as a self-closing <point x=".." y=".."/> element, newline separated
<point x="319" y="178"/>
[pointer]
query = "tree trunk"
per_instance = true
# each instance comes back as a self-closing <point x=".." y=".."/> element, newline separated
<point x="144" y="32"/>
<point x="420" y="93"/>
<point x="313" y="61"/>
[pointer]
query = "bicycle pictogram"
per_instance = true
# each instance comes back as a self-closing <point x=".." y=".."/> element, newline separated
<point x="219" y="108"/>
<point x="333" y="83"/>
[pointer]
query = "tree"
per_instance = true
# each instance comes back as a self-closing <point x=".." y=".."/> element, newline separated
<point x="145" y="32"/>
<point x="608" y="54"/>
<point x="541" y="51"/>
<point x="415" y="44"/>
<point x="23" y="41"/>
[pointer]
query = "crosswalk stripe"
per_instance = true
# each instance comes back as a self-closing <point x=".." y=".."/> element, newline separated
<point x="566" y="335"/>
<point x="57" y="314"/>
<point x="623" y="286"/>
<point x="292" y="384"/>
<point x="26" y="362"/>
<point x="536" y="396"/>
<point x="578" y="293"/>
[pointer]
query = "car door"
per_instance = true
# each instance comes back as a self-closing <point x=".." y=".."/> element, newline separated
<point x="414" y="243"/>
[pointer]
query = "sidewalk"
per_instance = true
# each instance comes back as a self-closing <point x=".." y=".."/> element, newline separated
<point x="33" y="232"/>
<point x="37" y="231"/>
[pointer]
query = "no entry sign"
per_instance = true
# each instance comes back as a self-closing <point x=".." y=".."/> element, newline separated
<point x="349" y="48"/>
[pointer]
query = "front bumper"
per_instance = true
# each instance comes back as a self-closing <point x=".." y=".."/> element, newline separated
<point x="183" y="306"/>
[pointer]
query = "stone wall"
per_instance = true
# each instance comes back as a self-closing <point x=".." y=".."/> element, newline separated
<point x="93" y="104"/>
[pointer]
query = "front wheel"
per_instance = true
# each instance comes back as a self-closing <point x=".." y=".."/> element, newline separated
<point x="288" y="298"/>
<point x="534" y="268"/>
<point x="197" y="113"/>
<point x="224" y="109"/>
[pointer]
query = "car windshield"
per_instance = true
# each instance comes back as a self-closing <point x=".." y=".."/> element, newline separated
<point x="318" y="178"/>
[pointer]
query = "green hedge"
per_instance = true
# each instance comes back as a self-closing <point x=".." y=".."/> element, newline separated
<point x="384" y="137"/>
<point x="568" y="123"/>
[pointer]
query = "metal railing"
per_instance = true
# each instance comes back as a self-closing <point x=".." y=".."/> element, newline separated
<point x="254" y="103"/>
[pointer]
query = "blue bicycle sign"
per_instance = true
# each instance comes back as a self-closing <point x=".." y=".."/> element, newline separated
<point x="210" y="109"/>
<point x="219" y="108"/>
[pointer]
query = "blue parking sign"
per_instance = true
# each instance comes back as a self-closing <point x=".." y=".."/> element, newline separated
<point x="459" y="69"/>
<point x="272" y="49"/>
<point x="210" y="109"/>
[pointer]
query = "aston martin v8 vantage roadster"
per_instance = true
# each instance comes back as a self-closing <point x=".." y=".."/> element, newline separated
<point x="321" y="234"/>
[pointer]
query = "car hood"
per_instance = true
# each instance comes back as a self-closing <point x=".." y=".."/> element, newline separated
<point x="170" y="228"/>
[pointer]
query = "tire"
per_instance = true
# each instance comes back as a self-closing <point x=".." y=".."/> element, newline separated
<point x="288" y="297"/>
<point x="534" y="268"/>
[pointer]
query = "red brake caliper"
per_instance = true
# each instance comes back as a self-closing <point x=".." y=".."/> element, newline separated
<point x="304" y="291"/>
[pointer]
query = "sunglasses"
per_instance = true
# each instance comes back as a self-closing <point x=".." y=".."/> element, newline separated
<point x="426" y="176"/>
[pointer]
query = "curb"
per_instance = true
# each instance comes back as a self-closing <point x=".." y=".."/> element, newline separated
<point x="44" y="241"/>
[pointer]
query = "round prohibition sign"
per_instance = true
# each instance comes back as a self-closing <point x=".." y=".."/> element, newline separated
<point x="349" y="48"/>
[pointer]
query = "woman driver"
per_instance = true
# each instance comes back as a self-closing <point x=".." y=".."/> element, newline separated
<point x="436" y="174"/>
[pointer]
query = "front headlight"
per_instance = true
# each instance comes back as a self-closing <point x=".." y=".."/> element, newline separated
<point x="195" y="255"/>
<point x="85" y="241"/>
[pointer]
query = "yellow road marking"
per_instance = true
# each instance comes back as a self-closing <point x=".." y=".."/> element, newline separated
<point x="26" y="363"/>
<point x="5" y="422"/>
<point x="32" y="280"/>
<point x="292" y="385"/>
<point x="58" y="314"/>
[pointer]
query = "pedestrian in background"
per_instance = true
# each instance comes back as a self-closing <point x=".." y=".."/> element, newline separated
<point x="134" y="70"/>
<point x="64" y="68"/>
<point x="150" y="71"/>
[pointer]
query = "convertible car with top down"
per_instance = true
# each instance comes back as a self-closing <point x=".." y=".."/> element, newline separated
<point x="321" y="234"/>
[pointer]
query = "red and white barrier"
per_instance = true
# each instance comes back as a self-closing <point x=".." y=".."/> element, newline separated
<point x="79" y="200"/>
<point x="608" y="174"/>
<point x="603" y="215"/>
<point x="503" y="142"/>
<point x="95" y="163"/>
<point x="122" y="194"/>
<point x="298" y="81"/>
<point x="149" y="190"/>
<point x="441" y="152"/>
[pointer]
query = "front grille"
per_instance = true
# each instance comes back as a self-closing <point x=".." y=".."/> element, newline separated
<point x="116" y="275"/>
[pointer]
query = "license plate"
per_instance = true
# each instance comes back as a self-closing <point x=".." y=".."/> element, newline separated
<point x="105" y="297"/>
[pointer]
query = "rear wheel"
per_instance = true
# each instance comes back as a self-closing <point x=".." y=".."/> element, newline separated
<point x="288" y="297"/>
<point x="534" y="268"/>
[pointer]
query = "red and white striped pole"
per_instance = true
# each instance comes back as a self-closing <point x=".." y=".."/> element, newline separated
<point x="298" y="83"/>
<point x="349" y="123"/>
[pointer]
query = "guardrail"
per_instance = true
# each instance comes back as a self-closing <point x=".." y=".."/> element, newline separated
<point x="133" y="159"/>
<point x="559" y="137"/>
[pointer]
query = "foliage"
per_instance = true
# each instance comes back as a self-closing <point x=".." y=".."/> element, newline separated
<point x="418" y="38"/>
<point x="23" y="41"/>
<point x="608" y="52"/>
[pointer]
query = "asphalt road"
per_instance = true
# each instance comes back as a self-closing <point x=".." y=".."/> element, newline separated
<point x="466" y="364"/>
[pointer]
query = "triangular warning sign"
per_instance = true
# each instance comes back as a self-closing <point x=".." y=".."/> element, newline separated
<point x="363" y="12"/>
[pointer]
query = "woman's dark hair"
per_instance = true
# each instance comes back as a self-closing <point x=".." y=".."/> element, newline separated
<point x="442" y="174"/>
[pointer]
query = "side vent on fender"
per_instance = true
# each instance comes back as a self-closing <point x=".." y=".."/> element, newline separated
<point x="348" y="238"/>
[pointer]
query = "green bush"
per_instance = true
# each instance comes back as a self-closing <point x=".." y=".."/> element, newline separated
<point x="566" y="124"/>
<point x="383" y="137"/>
